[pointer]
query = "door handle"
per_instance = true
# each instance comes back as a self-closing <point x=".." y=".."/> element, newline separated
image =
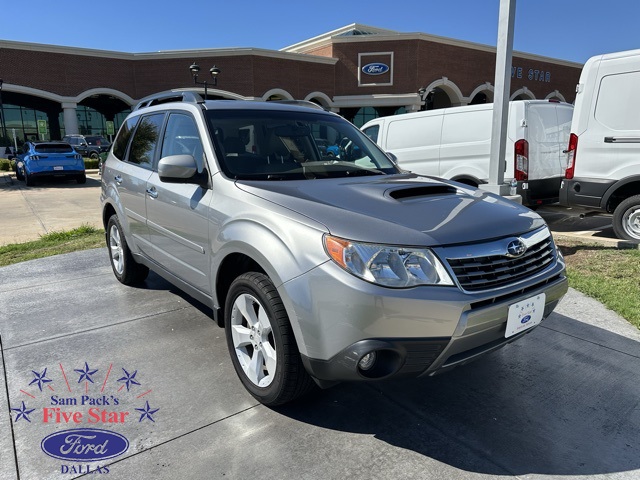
<point x="118" y="179"/>
<point x="152" y="192"/>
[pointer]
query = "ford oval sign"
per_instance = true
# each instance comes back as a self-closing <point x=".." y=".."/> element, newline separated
<point x="525" y="319"/>
<point x="375" y="69"/>
<point x="84" y="444"/>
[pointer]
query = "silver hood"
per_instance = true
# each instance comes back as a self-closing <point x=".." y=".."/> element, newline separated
<point x="400" y="209"/>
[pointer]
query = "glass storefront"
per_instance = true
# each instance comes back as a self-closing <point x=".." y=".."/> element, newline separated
<point x="22" y="123"/>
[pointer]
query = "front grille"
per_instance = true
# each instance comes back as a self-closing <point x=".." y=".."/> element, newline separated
<point x="495" y="271"/>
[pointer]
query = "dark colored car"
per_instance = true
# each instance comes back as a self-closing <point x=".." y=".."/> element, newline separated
<point x="49" y="159"/>
<point x="88" y="145"/>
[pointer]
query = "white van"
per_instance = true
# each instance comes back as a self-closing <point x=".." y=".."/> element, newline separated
<point x="455" y="143"/>
<point x="603" y="166"/>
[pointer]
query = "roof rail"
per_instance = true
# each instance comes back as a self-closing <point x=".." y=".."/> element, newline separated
<point x="301" y="103"/>
<point x="168" y="96"/>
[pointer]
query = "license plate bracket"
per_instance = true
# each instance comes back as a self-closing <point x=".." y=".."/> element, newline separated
<point x="525" y="314"/>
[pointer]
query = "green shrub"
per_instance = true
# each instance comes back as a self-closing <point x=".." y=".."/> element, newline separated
<point x="90" y="163"/>
<point x="5" y="165"/>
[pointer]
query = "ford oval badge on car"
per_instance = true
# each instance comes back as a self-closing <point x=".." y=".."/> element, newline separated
<point x="375" y="68"/>
<point x="525" y="319"/>
<point x="84" y="444"/>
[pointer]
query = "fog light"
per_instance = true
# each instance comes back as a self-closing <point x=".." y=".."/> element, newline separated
<point x="367" y="361"/>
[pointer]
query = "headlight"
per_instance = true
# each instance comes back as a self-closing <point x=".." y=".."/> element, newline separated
<point x="387" y="265"/>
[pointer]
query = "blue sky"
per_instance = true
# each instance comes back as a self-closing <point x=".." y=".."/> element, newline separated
<point x="571" y="30"/>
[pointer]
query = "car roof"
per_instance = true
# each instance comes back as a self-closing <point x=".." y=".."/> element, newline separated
<point x="173" y="98"/>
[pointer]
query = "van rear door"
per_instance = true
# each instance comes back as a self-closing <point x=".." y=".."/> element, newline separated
<point x="547" y="133"/>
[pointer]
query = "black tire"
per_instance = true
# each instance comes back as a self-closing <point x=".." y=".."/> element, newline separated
<point x="28" y="179"/>
<point x="81" y="178"/>
<point x="19" y="175"/>
<point x="94" y="155"/>
<point x="125" y="268"/>
<point x="283" y="382"/>
<point x="626" y="219"/>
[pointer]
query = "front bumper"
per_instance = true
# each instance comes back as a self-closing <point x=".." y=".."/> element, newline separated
<point x="418" y="331"/>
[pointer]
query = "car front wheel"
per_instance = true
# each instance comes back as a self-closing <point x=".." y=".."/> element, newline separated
<point x="626" y="219"/>
<point x="261" y="342"/>
<point x="125" y="268"/>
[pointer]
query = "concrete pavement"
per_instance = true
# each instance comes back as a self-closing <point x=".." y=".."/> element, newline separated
<point x="562" y="402"/>
<point x="51" y="205"/>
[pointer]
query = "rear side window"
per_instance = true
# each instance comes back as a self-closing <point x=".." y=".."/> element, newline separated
<point x="618" y="101"/>
<point x="124" y="135"/>
<point x="145" y="139"/>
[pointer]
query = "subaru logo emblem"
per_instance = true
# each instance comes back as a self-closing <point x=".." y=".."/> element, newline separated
<point x="516" y="248"/>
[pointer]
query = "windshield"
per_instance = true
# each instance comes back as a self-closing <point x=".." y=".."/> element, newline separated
<point x="292" y="145"/>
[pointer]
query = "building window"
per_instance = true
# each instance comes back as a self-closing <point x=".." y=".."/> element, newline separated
<point x="363" y="115"/>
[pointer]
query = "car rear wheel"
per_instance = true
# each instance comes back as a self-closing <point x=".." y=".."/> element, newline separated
<point x="125" y="268"/>
<point x="94" y="155"/>
<point x="626" y="219"/>
<point x="261" y="342"/>
<point x="28" y="179"/>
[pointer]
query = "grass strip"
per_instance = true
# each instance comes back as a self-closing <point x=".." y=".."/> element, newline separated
<point x="608" y="274"/>
<point x="54" y="243"/>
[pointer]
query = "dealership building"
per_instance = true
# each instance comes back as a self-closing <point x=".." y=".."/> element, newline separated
<point x="358" y="71"/>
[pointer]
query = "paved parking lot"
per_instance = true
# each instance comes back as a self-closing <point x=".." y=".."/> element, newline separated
<point x="51" y="205"/>
<point x="81" y="351"/>
<point x="561" y="402"/>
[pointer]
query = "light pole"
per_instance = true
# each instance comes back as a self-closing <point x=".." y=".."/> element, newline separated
<point x="214" y="71"/>
<point x="4" y="126"/>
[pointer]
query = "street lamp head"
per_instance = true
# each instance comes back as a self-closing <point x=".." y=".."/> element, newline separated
<point x="214" y="71"/>
<point x="194" y="69"/>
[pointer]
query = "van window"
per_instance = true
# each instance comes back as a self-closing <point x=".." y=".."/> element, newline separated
<point x="372" y="132"/>
<point x="414" y="132"/>
<point x="618" y="101"/>
<point x="467" y="127"/>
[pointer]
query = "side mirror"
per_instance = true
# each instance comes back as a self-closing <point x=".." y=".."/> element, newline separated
<point x="392" y="157"/>
<point x="180" y="169"/>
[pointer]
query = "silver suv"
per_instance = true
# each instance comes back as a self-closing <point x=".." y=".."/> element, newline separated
<point x="321" y="269"/>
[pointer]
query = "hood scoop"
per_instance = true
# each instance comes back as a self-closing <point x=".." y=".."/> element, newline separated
<point x="422" y="191"/>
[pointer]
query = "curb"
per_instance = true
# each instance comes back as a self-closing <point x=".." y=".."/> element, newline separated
<point x="588" y="239"/>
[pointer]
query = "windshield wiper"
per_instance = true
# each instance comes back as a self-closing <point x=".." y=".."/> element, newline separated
<point x="363" y="172"/>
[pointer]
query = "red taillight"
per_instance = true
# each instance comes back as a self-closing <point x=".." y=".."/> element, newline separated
<point x="571" y="156"/>
<point x="521" y="160"/>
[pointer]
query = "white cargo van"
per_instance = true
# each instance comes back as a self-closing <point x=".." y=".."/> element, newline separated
<point x="603" y="166"/>
<point x="455" y="143"/>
